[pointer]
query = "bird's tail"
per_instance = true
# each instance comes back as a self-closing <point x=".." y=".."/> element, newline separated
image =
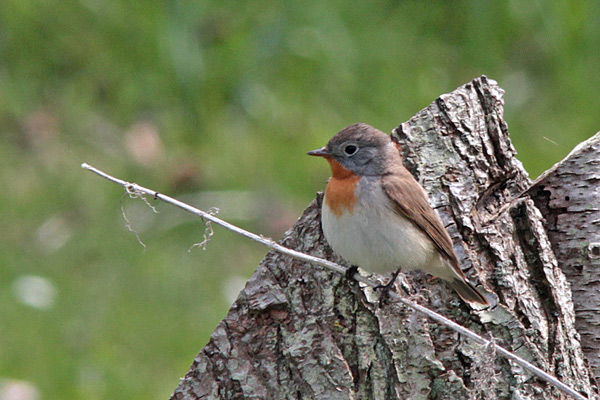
<point x="467" y="292"/>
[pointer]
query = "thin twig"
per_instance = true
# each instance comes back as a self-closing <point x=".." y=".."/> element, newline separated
<point x="133" y="187"/>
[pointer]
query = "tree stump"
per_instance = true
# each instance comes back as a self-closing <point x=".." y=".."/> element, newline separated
<point x="568" y="196"/>
<point x="298" y="331"/>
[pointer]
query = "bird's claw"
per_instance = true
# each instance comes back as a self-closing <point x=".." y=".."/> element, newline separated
<point x="384" y="297"/>
<point x="350" y="272"/>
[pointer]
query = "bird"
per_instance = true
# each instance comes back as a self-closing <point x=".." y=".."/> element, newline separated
<point x="376" y="216"/>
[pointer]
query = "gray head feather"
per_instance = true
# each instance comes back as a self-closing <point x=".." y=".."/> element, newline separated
<point x="363" y="150"/>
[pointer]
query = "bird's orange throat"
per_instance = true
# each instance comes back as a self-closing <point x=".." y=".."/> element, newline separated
<point x="340" y="193"/>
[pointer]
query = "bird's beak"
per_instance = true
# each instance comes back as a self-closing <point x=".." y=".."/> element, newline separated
<point x="322" y="152"/>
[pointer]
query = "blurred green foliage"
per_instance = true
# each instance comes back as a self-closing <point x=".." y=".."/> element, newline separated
<point x="217" y="102"/>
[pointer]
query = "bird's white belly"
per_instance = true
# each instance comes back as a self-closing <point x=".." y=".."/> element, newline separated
<point x="375" y="237"/>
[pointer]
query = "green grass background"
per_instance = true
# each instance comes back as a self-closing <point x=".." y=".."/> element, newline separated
<point x="216" y="102"/>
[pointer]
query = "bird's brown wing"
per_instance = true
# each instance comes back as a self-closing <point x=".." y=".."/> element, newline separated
<point x="410" y="200"/>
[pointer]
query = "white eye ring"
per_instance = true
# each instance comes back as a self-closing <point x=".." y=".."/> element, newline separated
<point x="350" y="149"/>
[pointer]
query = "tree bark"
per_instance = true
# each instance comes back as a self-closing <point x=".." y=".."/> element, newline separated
<point x="298" y="331"/>
<point x="569" y="198"/>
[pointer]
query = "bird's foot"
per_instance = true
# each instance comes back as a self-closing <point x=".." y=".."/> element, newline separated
<point x="350" y="272"/>
<point x="384" y="297"/>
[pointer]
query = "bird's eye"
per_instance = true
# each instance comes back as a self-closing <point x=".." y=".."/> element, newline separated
<point x="350" y="149"/>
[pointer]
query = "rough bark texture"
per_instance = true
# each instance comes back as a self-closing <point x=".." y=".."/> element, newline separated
<point x="569" y="197"/>
<point x="298" y="331"/>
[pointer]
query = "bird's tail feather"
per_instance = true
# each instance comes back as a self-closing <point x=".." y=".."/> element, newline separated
<point x="467" y="292"/>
